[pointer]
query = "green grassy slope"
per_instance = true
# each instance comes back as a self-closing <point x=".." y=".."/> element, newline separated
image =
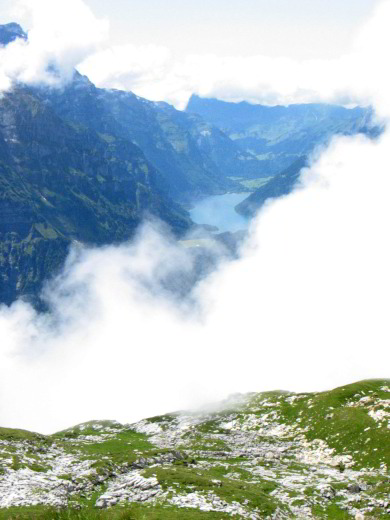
<point x="269" y="455"/>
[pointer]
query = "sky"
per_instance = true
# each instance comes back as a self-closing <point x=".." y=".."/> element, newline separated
<point x="167" y="50"/>
<point x="297" y="29"/>
<point x="293" y="28"/>
<point x="305" y="306"/>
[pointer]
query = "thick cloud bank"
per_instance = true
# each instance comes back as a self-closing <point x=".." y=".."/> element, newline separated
<point x="305" y="307"/>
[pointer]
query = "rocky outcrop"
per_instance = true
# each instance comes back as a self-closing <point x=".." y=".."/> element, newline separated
<point x="274" y="455"/>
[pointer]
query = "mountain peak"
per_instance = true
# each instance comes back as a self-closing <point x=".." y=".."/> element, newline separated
<point x="10" y="32"/>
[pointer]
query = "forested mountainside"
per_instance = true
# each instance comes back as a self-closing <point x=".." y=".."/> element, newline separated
<point x="61" y="182"/>
<point x="279" y="135"/>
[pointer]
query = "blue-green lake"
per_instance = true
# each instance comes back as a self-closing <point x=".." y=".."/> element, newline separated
<point x="218" y="210"/>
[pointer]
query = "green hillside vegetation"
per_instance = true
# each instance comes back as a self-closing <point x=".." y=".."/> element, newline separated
<point x="277" y="186"/>
<point x="268" y="455"/>
<point x="61" y="182"/>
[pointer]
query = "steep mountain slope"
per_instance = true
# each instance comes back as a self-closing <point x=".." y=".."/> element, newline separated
<point x="275" y="455"/>
<point x="193" y="157"/>
<point x="279" y="135"/>
<point x="62" y="182"/>
<point x="279" y="185"/>
<point x="71" y="169"/>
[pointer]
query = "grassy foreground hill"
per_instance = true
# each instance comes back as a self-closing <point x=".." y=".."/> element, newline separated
<point x="276" y="455"/>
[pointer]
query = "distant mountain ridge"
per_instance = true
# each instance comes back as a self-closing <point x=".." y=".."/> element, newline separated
<point x="278" y="135"/>
<point x="190" y="154"/>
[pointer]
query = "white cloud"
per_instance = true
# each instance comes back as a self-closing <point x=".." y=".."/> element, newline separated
<point x="128" y="64"/>
<point x="353" y="78"/>
<point x="304" y="308"/>
<point x="257" y="79"/>
<point x="61" y="35"/>
<point x="67" y="35"/>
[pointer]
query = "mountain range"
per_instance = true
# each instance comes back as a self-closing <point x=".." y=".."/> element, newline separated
<point x="278" y="135"/>
<point x="87" y="164"/>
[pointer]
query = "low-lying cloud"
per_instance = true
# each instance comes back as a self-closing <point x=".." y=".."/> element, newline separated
<point x="304" y="307"/>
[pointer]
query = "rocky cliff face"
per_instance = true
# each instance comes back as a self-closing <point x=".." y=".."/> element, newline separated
<point x="272" y="455"/>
